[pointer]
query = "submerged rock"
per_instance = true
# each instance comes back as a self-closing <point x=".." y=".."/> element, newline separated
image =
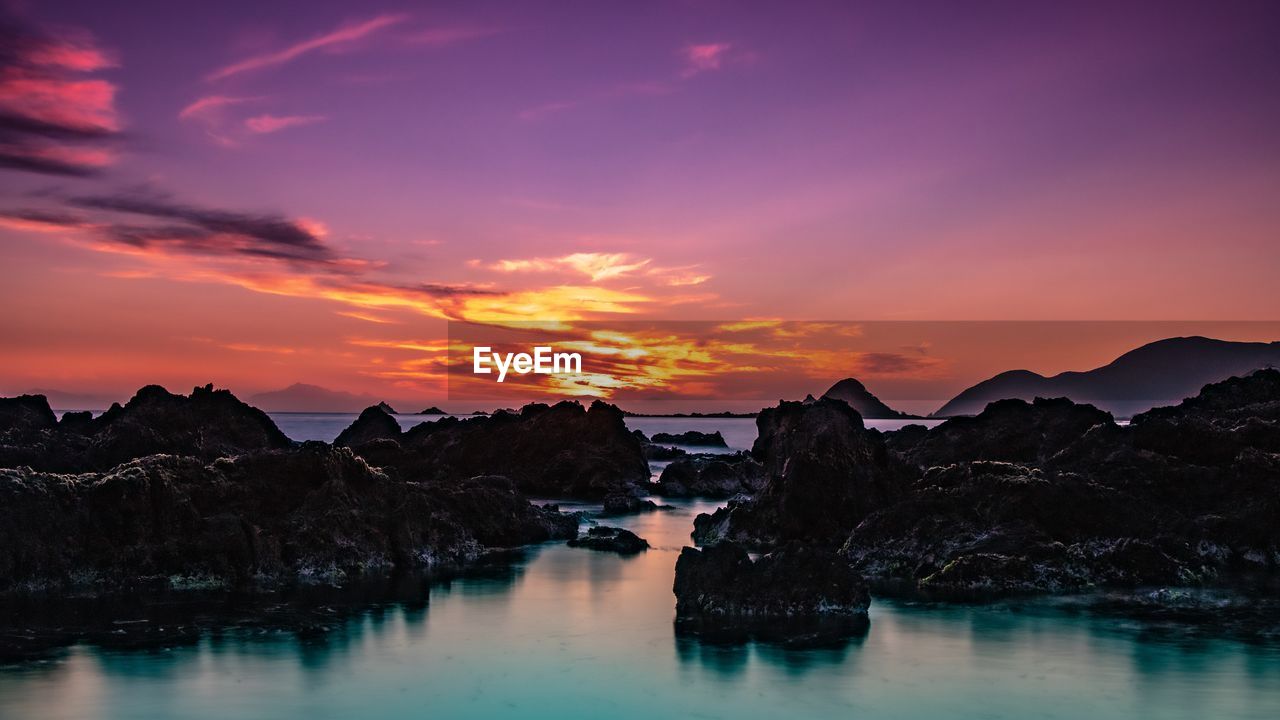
<point x="628" y="504"/>
<point x="611" y="539"/>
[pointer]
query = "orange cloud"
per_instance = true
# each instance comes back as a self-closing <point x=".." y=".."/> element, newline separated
<point x="597" y="266"/>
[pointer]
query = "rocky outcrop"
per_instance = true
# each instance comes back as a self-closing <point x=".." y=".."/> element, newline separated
<point x="373" y="424"/>
<point x="611" y="539"/>
<point x="560" y="450"/>
<point x="1006" y="431"/>
<point x="207" y="424"/>
<point x="692" y="438"/>
<point x="314" y="513"/>
<point x="629" y="504"/>
<point x="1187" y="495"/>
<point x="824" y="473"/>
<point x="711" y="476"/>
<point x="26" y="413"/>
<point x="796" y="593"/>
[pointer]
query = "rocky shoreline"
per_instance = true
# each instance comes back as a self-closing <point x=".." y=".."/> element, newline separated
<point x="1047" y="497"/>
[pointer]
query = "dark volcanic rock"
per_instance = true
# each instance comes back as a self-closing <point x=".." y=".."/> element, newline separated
<point x="691" y="437"/>
<point x="797" y="595"/>
<point x="314" y="513"/>
<point x="1006" y="431"/>
<point x="26" y="412"/>
<point x="611" y="539"/>
<point x="208" y="424"/>
<point x="1187" y="495"/>
<point x="711" y="476"/>
<point x="386" y="408"/>
<point x="791" y="581"/>
<point x="824" y="473"/>
<point x="662" y="452"/>
<point x="561" y="450"/>
<point x="373" y="424"/>
<point x="628" y="504"/>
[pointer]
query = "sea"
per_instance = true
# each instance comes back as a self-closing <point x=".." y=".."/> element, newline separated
<point x="571" y="633"/>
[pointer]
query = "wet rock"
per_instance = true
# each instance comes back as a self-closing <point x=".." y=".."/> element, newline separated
<point x="373" y="424"/>
<point x="562" y="450"/>
<point x="611" y="539"/>
<point x="662" y="452"/>
<point x="711" y="476"/>
<point x="824" y="473"/>
<point x="629" y="504"/>
<point x="1006" y="431"/>
<point x="796" y="593"/>
<point x="691" y="438"/>
<point x="310" y="514"/>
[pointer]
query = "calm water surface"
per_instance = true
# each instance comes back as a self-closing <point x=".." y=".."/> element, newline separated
<point x="572" y="633"/>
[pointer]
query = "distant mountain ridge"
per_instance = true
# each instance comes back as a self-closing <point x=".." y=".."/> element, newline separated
<point x="1158" y="373"/>
<point x="301" y="397"/>
<point x="859" y="398"/>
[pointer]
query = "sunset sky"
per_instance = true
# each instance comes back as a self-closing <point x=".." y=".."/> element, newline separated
<point x="257" y="194"/>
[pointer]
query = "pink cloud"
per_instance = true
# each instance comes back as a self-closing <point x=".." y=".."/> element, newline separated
<point x="209" y="103"/>
<point x="702" y="58"/>
<point x="343" y="35"/>
<point x="446" y="36"/>
<point x="263" y="124"/>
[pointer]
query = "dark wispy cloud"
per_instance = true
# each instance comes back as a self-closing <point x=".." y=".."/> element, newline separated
<point x="55" y="118"/>
<point x="209" y="230"/>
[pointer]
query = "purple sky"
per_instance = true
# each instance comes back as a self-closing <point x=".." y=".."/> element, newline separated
<point x="674" y="160"/>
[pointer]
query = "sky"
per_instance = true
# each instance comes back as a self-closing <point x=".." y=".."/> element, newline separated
<point x="257" y="194"/>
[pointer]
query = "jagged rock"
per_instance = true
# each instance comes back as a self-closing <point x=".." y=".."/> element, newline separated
<point x="26" y="412"/>
<point x="386" y="408"/>
<point x="373" y="424"/>
<point x="208" y="424"/>
<point x="611" y="539"/>
<point x="561" y="450"/>
<point x="711" y="476"/>
<point x="691" y="438"/>
<point x="791" y="581"/>
<point x="1185" y="495"/>
<point x="639" y="435"/>
<point x="628" y="504"/>
<point x="824" y="473"/>
<point x="312" y="513"/>
<point x="662" y="452"/>
<point x="797" y="595"/>
<point x="1006" y="431"/>
<point x="433" y="410"/>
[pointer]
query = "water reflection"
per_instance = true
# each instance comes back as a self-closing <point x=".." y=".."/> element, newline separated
<point x="573" y="633"/>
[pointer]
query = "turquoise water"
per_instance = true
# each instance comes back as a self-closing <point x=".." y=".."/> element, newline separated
<point x="569" y="633"/>
<point x="573" y="633"/>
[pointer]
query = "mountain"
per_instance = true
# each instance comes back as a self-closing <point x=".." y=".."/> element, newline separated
<point x="859" y="398"/>
<point x="1159" y="373"/>
<point x="300" y="397"/>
